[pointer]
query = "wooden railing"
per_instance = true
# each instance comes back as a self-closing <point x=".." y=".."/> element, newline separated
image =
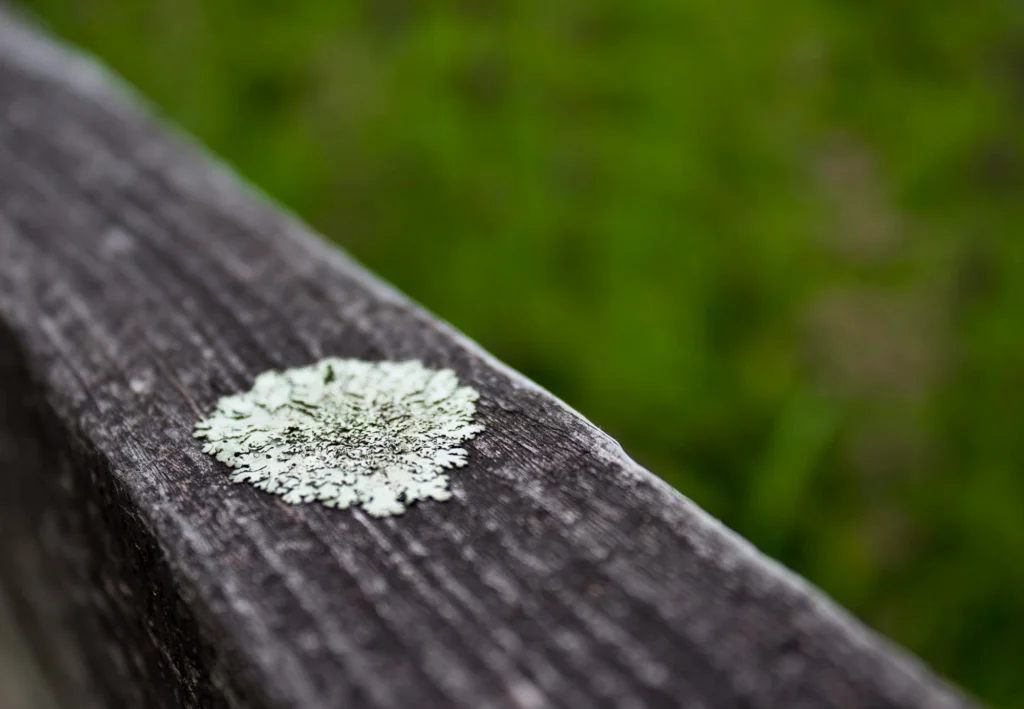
<point x="139" y="282"/>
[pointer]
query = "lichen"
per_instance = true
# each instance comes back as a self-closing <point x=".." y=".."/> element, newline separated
<point x="346" y="432"/>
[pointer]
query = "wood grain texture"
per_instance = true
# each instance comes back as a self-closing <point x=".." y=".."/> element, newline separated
<point x="139" y="282"/>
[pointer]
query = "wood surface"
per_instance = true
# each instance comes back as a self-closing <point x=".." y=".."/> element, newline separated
<point x="139" y="282"/>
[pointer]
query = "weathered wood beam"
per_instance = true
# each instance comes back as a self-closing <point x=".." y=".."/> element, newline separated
<point x="139" y="282"/>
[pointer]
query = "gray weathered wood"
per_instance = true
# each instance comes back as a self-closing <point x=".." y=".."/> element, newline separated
<point x="138" y="283"/>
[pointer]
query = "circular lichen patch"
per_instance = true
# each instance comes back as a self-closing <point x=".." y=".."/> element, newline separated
<point x="346" y="432"/>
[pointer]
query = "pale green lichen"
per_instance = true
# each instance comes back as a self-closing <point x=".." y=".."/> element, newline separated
<point x="346" y="432"/>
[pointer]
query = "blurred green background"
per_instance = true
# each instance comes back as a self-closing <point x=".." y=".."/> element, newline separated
<point x="773" y="247"/>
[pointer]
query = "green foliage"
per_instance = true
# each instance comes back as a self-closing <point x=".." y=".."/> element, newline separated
<point x="767" y="245"/>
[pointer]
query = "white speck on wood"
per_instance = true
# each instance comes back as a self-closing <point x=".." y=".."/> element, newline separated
<point x="346" y="432"/>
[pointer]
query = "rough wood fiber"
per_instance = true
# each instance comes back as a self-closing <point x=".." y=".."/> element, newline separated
<point x="138" y="283"/>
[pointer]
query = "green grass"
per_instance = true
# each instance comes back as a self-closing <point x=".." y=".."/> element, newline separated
<point x="772" y="247"/>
